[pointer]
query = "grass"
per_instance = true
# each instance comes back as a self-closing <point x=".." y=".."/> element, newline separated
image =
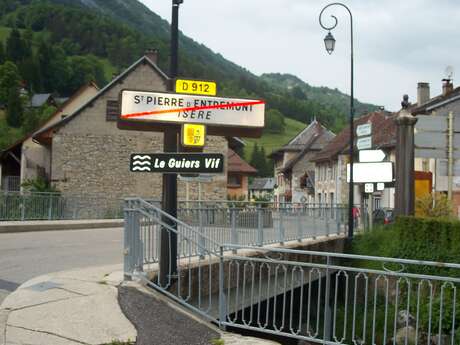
<point x="272" y="141"/>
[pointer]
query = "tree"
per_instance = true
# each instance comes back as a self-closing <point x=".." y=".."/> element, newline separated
<point x="14" y="110"/>
<point x="2" y="54"/>
<point x="16" y="48"/>
<point x="9" y="79"/>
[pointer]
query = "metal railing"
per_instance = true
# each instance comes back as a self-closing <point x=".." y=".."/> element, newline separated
<point x="319" y="297"/>
<point x="10" y="184"/>
<point x="255" y="226"/>
<point x="16" y="206"/>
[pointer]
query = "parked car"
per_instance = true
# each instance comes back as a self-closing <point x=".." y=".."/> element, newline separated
<point x="383" y="216"/>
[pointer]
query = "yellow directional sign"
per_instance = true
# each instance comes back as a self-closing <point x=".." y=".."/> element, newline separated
<point x="196" y="87"/>
<point x="193" y="135"/>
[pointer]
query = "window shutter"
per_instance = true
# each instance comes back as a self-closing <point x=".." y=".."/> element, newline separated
<point x="112" y="111"/>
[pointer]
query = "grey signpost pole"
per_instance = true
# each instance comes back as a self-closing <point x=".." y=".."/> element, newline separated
<point x="404" y="186"/>
<point x="168" y="249"/>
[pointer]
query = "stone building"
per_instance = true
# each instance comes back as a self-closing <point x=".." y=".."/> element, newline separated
<point x="294" y="168"/>
<point x="90" y="155"/>
<point x="331" y="185"/>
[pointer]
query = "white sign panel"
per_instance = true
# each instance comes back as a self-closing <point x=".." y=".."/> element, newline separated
<point x="178" y="108"/>
<point x="369" y="188"/>
<point x="371" y="155"/>
<point x="371" y="172"/>
<point x="380" y="186"/>
<point x="363" y="130"/>
<point x="364" y="143"/>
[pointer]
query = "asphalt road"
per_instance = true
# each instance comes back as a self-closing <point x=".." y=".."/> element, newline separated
<point x="29" y="254"/>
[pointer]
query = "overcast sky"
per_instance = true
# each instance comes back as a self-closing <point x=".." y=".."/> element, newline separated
<point x="397" y="43"/>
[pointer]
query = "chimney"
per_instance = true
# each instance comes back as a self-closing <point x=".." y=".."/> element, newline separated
<point x="152" y="55"/>
<point x="447" y="86"/>
<point x="423" y="93"/>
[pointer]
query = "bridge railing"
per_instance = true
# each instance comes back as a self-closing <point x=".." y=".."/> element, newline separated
<point x="318" y="297"/>
<point x="331" y="298"/>
<point x="257" y="226"/>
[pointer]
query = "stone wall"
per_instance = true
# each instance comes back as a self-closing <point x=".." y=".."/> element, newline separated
<point x="90" y="155"/>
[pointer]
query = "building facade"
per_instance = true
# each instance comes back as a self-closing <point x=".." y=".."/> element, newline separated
<point x="294" y="169"/>
<point x="90" y="155"/>
<point x="331" y="185"/>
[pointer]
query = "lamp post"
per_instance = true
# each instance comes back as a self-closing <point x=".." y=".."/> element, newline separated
<point x="329" y="42"/>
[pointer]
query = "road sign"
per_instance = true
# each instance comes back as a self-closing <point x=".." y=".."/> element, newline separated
<point x="380" y="186"/>
<point x="177" y="163"/>
<point x="371" y="155"/>
<point x="371" y="172"/>
<point x="363" y="130"/>
<point x="160" y="107"/>
<point x="197" y="87"/>
<point x="369" y="188"/>
<point x="193" y="135"/>
<point x="202" y="178"/>
<point x="364" y="143"/>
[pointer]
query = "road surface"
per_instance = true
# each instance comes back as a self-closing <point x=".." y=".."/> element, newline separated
<point x="29" y="254"/>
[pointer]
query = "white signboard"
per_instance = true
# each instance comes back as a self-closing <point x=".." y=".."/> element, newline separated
<point x="380" y="186"/>
<point x="178" y="108"/>
<point x="371" y="155"/>
<point x="363" y="130"/>
<point x="369" y="188"/>
<point x="371" y="172"/>
<point x="364" y="143"/>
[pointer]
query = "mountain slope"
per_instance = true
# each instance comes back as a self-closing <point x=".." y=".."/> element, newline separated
<point x="118" y="31"/>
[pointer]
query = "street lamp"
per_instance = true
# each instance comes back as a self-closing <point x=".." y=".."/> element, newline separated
<point x="329" y="42"/>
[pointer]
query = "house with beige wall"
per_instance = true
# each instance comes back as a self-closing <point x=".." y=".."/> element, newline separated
<point x="331" y="185"/>
<point x="294" y="169"/>
<point x="90" y="155"/>
<point x="27" y="159"/>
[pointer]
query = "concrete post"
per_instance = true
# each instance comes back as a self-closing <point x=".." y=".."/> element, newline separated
<point x="404" y="191"/>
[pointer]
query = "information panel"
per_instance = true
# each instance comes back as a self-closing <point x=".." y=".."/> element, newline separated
<point x="179" y="163"/>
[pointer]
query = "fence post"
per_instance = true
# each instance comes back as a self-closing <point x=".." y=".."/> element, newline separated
<point x="222" y="299"/>
<point x="50" y="207"/>
<point x="327" y="216"/>
<point x="260" y="226"/>
<point x="234" y="232"/>
<point x="281" y="229"/>
<point x="327" y="307"/>
<point x="201" y="240"/>
<point x="128" y="266"/>
<point x="314" y="221"/>
<point x="139" y="255"/>
<point x="337" y="219"/>
<point x="299" y="225"/>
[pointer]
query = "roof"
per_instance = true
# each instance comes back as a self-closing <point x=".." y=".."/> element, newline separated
<point x="39" y="99"/>
<point x="384" y="135"/>
<point x="262" y="183"/>
<point x="57" y="111"/>
<point x="303" y="139"/>
<point x="236" y="164"/>
<point x="436" y="102"/>
<point x="120" y="77"/>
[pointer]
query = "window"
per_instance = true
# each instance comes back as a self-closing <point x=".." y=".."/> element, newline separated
<point x="112" y="111"/>
<point x="234" y="180"/>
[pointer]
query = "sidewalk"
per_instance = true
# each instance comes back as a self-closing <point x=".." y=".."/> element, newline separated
<point x="66" y="308"/>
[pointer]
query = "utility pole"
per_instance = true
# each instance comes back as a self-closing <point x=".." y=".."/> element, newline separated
<point x="168" y="249"/>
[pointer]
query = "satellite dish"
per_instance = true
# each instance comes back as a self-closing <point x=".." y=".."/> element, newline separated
<point x="449" y="72"/>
